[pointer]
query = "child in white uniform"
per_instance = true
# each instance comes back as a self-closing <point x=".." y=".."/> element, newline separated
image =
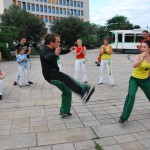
<point x="22" y="67"/>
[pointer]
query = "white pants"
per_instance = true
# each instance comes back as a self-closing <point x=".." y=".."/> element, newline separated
<point x="106" y="63"/>
<point x="23" y="73"/>
<point x="1" y="87"/>
<point x="28" y="68"/>
<point x="80" y="63"/>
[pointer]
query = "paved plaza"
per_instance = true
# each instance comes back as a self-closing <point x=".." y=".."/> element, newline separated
<point x="29" y="116"/>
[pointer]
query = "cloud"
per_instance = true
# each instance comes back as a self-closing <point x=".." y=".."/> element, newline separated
<point x="136" y="11"/>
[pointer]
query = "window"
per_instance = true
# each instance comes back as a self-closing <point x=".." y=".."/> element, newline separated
<point x="41" y="8"/>
<point x="49" y="9"/>
<point x="45" y="8"/>
<point x="49" y="1"/>
<point x="75" y="12"/>
<point x="64" y="11"/>
<point x="61" y="11"/>
<point x="41" y="0"/>
<point x="78" y="4"/>
<point x="57" y="10"/>
<point x="81" y="12"/>
<point x="75" y="3"/>
<point x="71" y="12"/>
<point x="50" y="19"/>
<point x="120" y="37"/>
<point x="138" y="37"/>
<point x="53" y="10"/>
<point x="14" y="2"/>
<point x="45" y="1"/>
<point x="56" y="2"/>
<point x="53" y="1"/>
<point x="71" y="2"/>
<point x="81" y="4"/>
<point x="19" y="4"/>
<point x="37" y="7"/>
<point x="33" y="7"/>
<point x="68" y="12"/>
<point x="46" y="19"/>
<point x="129" y="37"/>
<point x="28" y="6"/>
<point x="60" y="2"/>
<point x="24" y="5"/>
<point x="64" y="2"/>
<point x="67" y="2"/>
<point x="78" y="12"/>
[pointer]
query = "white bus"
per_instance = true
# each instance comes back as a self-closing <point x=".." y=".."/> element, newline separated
<point x="125" y="40"/>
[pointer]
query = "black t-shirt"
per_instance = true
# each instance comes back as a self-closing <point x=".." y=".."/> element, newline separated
<point x="25" y="47"/>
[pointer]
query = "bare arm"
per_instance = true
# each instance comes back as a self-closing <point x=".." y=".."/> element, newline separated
<point x="101" y="51"/>
<point x="84" y="51"/>
<point x="110" y="50"/>
<point x="138" y="60"/>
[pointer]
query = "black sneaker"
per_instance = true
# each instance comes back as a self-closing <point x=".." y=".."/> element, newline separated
<point x="15" y="83"/>
<point x="0" y="97"/>
<point x="65" y="114"/>
<point x="121" y="120"/>
<point x="87" y="94"/>
<point x="85" y="82"/>
<point x="30" y="82"/>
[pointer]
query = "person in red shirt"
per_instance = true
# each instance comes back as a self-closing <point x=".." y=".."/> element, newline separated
<point x="80" y="52"/>
<point x="146" y="37"/>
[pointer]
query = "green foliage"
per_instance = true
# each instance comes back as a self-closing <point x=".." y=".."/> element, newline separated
<point x="3" y="50"/>
<point x="8" y="34"/>
<point x="97" y="146"/>
<point x="72" y="28"/>
<point x="118" y="23"/>
<point x="26" y="23"/>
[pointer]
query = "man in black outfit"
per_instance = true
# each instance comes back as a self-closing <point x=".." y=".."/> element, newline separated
<point x="65" y="83"/>
<point x="27" y="50"/>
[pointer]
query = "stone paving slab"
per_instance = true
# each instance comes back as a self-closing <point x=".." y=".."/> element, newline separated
<point x="29" y="116"/>
<point x="116" y="129"/>
<point x="17" y="141"/>
<point x="65" y="136"/>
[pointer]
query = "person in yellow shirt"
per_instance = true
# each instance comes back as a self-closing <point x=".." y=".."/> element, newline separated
<point x="105" y="53"/>
<point x="139" y="78"/>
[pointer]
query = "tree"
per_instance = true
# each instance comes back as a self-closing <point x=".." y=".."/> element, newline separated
<point x="72" y="28"/>
<point x="27" y="23"/>
<point x="118" y="23"/>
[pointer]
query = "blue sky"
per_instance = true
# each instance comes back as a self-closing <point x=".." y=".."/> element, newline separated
<point x="137" y="11"/>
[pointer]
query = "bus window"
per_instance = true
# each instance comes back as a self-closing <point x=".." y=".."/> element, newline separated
<point x="112" y="37"/>
<point x="138" y="37"/>
<point x="119" y="37"/>
<point x="129" y="37"/>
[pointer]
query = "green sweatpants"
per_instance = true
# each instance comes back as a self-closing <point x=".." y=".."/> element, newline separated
<point x="134" y="83"/>
<point x="67" y="93"/>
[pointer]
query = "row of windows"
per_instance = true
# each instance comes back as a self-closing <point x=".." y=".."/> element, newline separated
<point x="73" y="3"/>
<point x="49" y="19"/>
<point x="53" y="10"/>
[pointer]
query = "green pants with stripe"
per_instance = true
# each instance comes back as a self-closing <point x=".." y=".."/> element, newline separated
<point x="67" y="93"/>
<point x="134" y="83"/>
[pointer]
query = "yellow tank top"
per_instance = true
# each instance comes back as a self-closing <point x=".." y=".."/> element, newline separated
<point x="106" y="56"/>
<point x="142" y="71"/>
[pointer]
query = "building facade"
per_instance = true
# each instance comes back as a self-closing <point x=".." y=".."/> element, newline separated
<point x="51" y="10"/>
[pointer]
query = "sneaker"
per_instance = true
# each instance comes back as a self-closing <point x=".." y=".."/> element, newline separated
<point x="27" y="84"/>
<point x="30" y="82"/>
<point x="63" y="115"/>
<point x="0" y="97"/>
<point x="100" y="83"/>
<point x="121" y="120"/>
<point x="85" y="82"/>
<point x="15" y="83"/>
<point x="87" y="94"/>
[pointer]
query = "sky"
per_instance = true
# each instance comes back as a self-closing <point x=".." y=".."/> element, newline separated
<point x="137" y="11"/>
